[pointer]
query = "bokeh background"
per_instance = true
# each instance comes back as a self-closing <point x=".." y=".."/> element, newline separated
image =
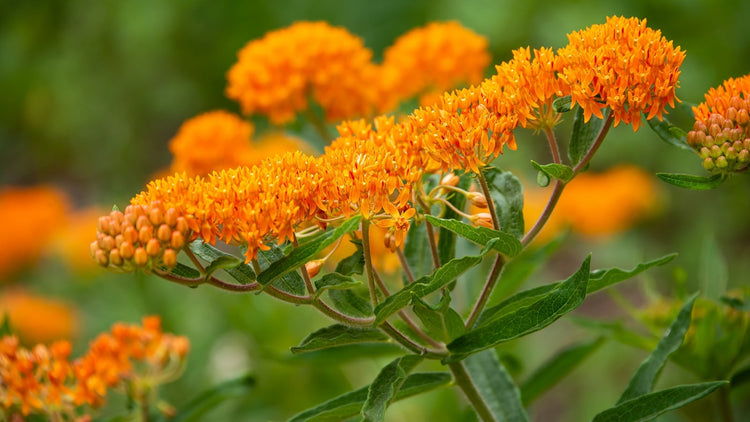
<point x="92" y="91"/>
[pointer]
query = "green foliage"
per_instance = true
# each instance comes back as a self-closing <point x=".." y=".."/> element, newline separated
<point x="507" y="193"/>
<point x="209" y="399"/>
<point x="691" y="182"/>
<point x="560" y="172"/>
<point x="495" y="386"/>
<point x="447" y="238"/>
<point x="501" y="242"/>
<point x="289" y="281"/>
<point x="417" y="250"/>
<point x="242" y="273"/>
<point x="354" y="263"/>
<point x="339" y="335"/>
<point x="384" y="388"/>
<point x="669" y="133"/>
<point x="441" y="322"/>
<point x="584" y="134"/>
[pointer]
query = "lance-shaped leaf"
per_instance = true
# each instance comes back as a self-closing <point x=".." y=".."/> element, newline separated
<point x="526" y="319"/>
<point x="335" y="281"/>
<point x="649" y="406"/>
<point x="645" y="376"/>
<point x="417" y="250"/>
<point x="555" y="369"/>
<point x="196" y="409"/>
<point x="350" y="303"/>
<point x="347" y="405"/>
<point x="555" y="171"/>
<point x="427" y="284"/>
<point x="354" y="263"/>
<point x="505" y="244"/>
<point x="507" y="193"/>
<point x="183" y="270"/>
<point x="584" y="134"/>
<point x="441" y="322"/>
<point x="339" y="335"/>
<point x="290" y="282"/>
<point x="223" y="263"/>
<point x="688" y="181"/>
<point x="384" y="388"/>
<point x="598" y="279"/>
<point x="495" y="387"/>
<point x="299" y="256"/>
<point x="669" y="133"/>
<point x="242" y="273"/>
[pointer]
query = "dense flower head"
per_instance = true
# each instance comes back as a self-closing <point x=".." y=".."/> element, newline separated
<point x="144" y="236"/>
<point x="275" y="74"/>
<point x="721" y="133"/>
<point x="623" y="65"/>
<point x="37" y="319"/>
<point x="434" y="58"/>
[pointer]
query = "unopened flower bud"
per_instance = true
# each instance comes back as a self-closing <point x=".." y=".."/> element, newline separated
<point x="708" y="163"/>
<point x="477" y="199"/>
<point x="177" y="241"/>
<point x="731" y="113"/>
<point x="182" y="225"/>
<point x="389" y="240"/>
<point x="145" y="234"/>
<point x="722" y="162"/>
<point x="482" y="219"/>
<point x="705" y="152"/>
<point x="169" y="258"/>
<point x="142" y="222"/>
<point x="450" y="179"/>
<point x="170" y="217"/>
<point x="104" y="225"/>
<point x="140" y="257"/>
<point x="130" y="235"/>
<point x="101" y="258"/>
<point x="164" y="233"/>
<point x="742" y="117"/>
<point x="127" y="250"/>
<point x="153" y="247"/>
<point x="155" y="216"/>
<point x="115" y="258"/>
<point x="743" y="156"/>
<point x="313" y="267"/>
<point x="715" y="151"/>
<point x="731" y="154"/>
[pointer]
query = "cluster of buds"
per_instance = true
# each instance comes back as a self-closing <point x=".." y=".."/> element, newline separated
<point x="723" y="141"/>
<point x="144" y="236"/>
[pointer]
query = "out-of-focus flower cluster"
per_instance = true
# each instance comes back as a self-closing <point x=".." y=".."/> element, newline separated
<point x="44" y="381"/>
<point x="721" y="133"/>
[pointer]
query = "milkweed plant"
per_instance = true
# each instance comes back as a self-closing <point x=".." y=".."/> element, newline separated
<point x="425" y="189"/>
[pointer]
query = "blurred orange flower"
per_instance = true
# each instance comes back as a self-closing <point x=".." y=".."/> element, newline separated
<point x="73" y="239"/>
<point x="37" y="319"/>
<point x="30" y="216"/>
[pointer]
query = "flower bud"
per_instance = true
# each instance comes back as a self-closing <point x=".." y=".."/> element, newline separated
<point x="115" y="258"/>
<point x="743" y="156"/>
<point x="153" y="247"/>
<point x="450" y="179"/>
<point x="708" y="163"/>
<point x="177" y="241"/>
<point x="482" y="219"/>
<point x="142" y="222"/>
<point x="127" y="250"/>
<point x="140" y="257"/>
<point x="742" y="117"/>
<point x="313" y="267"/>
<point x="477" y="199"/>
<point x="170" y="217"/>
<point x="389" y="240"/>
<point x="169" y="258"/>
<point x="164" y="233"/>
<point x="721" y="162"/>
<point x="155" y="215"/>
<point x="101" y="258"/>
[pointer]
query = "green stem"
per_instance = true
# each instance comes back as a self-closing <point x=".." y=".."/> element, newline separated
<point x="725" y="406"/>
<point x="490" y="201"/>
<point x="303" y="269"/>
<point x="430" y="234"/>
<point x="410" y="344"/>
<point x="342" y="318"/>
<point x="467" y="386"/>
<point x="405" y="265"/>
<point x="484" y="296"/>
<point x="365" y="227"/>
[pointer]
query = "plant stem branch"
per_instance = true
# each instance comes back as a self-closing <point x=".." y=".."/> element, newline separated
<point x="470" y="390"/>
<point x="405" y="265"/>
<point x="484" y="296"/>
<point x="339" y="317"/>
<point x="490" y="201"/>
<point x="410" y="344"/>
<point x="725" y="406"/>
<point x="303" y="270"/>
<point x="365" y="227"/>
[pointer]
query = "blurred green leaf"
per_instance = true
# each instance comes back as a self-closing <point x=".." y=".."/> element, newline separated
<point x="616" y="330"/>
<point x="5" y="328"/>
<point x="347" y="405"/>
<point x="428" y="284"/>
<point x="350" y="303"/>
<point x="290" y="282"/>
<point x="542" y="312"/>
<point x="507" y="193"/>
<point x="495" y="386"/>
<point x="339" y="335"/>
<point x="562" y="104"/>
<point x="555" y="369"/>
<point x="417" y="250"/>
<point x="555" y="171"/>
<point x="299" y="256"/>
<point x="542" y="179"/>
<point x="651" y="405"/>
<point x="442" y="323"/>
<point x="689" y="181"/>
<point x="197" y="408"/>
<point x="584" y="134"/>
<point x="447" y="238"/>
<point x="714" y="276"/>
<point x="736" y="303"/>
<point x="645" y="376"/>
<point x="384" y="388"/>
<point x="505" y="244"/>
<point x="354" y="263"/>
<point x="335" y="281"/>
<point x="242" y="273"/>
<point x="669" y="133"/>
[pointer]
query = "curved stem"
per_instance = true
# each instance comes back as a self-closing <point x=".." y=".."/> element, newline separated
<point x="195" y="260"/>
<point x="409" y="344"/>
<point x="595" y="146"/>
<point x="490" y="201"/>
<point x="430" y="235"/>
<point x="184" y="281"/>
<point x="405" y="265"/>
<point x="303" y="270"/>
<point x="365" y="227"/>
<point x="725" y="406"/>
<point x="470" y="390"/>
<point x="339" y="317"/>
<point x="233" y="287"/>
<point x="552" y="140"/>
<point x="484" y="296"/>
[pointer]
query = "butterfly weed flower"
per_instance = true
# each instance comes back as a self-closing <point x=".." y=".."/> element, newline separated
<point x="720" y="134"/>
<point x="621" y="64"/>
<point x="276" y="74"/>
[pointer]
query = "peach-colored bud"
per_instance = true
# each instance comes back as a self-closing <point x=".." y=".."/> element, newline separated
<point x="182" y="225"/>
<point x="731" y="113"/>
<point x="142" y="222"/>
<point x="743" y="117"/>
<point x="178" y="240"/>
<point x="116" y="216"/>
<point x="169" y="258"/>
<point x="482" y="219"/>
<point x="170" y="217"/>
<point x="691" y="138"/>
<point x="126" y="250"/>
<point x="104" y="225"/>
<point x="164" y="233"/>
<point x="743" y="156"/>
<point x="153" y="247"/>
<point x="708" y="163"/>
<point x="477" y="199"/>
<point x="107" y="243"/>
<point x="450" y="179"/>
<point x="145" y="234"/>
<point x="714" y="130"/>
<point x="206" y="231"/>
<point x="140" y="257"/>
<point x="118" y="240"/>
<point x="101" y="258"/>
<point x="115" y="258"/>
<point x="313" y="267"/>
<point x="93" y="248"/>
<point x="156" y="216"/>
<point x="181" y="346"/>
<point x="130" y="235"/>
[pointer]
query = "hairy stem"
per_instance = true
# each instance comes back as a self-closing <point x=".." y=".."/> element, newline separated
<point x="342" y="318"/>
<point x="484" y="296"/>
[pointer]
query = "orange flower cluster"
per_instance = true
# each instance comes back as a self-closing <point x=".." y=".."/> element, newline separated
<point x="434" y="58"/>
<point x="31" y="216"/>
<point x="44" y="381"/>
<point x="623" y="65"/>
<point x="38" y="319"/>
<point x="721" y="133"/>
<point x="144" y="236"/>
<point x="275" y="75"/>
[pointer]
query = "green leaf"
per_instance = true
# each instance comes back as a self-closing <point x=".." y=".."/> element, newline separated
<point x="354" y="263"/>
<point x="339" y="335"/>
<point x="197" y="408"/>
<point x="505" y="244"/>
<point x="182" y="270"/>
<point x="417" y="250"/>
<point x="384" y="388"/>
<point x="584" y="134"/>
<point x="669" y="133"/>
<point x="524" y="320"/>
<point x="495" y="386"/>
<point x="555" y="369"/>
<point x="427" y="284"/>
<point x="542" y="179"/>
<point x="507" y="193"/>
<point x="290" y="282"/>
<point x="446" y="238"/>
<point x="736" y="303"/>
<point x="555" y="171"/>
<point x="335" y="281"/>
<point x="244" y="274"/>
<point x="299" y="256"/>
<point x="5" y="328"/>
<point x="350" y="303"/>
<point x="712" y="267"/>
<point x="649" y="406"/>
<point x="347" y="405"/>
<point x="645" y="376"/>
<point x="223" y="263"/>
<point x="616" y="330"/>
<point x="562" y="104"/>
<point x="598" y="279"/>
<point x="689" y="181"/>
<point x="442" y="323"/>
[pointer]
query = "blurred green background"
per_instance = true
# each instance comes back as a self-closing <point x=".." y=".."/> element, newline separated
<point x="92" y="91"/>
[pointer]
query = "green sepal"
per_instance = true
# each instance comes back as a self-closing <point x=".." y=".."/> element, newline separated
<point x="504" y="243"/>
<point x="384" y="388"/>
<point x="496" y="387"/>
<point x="688" y="181"/>
<point x="209" y="399"/>
<point x="339" y="335"/>
<point x="556" y="171"/>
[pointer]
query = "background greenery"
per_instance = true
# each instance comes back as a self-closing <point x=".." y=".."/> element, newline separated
<point x="92" y="91"/>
